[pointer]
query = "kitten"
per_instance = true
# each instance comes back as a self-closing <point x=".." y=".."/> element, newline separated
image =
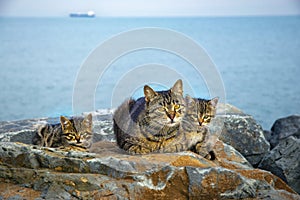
<point x="199" y="114"/>
<point x="194" y="134"/>
<point x="76" y="131"/>
<point x="144" y="125"/>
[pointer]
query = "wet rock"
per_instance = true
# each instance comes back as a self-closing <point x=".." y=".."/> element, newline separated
<point x="283" y="128"/>
<point x="283" y="161"/>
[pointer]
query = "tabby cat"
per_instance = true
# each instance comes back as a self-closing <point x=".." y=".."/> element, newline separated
<point x="198" y="115"/>
<point x="194" y="134"/>
<point x="145" y="125"/>
<point x="76" y="131"/>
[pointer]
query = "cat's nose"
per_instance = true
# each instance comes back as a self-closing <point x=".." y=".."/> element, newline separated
<point x="171" y="115"/>
<point x="200" y="121"/>
<point x="78" y="139"/>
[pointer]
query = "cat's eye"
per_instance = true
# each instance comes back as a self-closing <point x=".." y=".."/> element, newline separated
<point x="177" y="106"/>
<point x="206" y="117"/>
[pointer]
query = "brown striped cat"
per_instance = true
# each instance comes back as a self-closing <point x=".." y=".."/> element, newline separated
<point x="76" y="132"/>
<point x="193" y="133"/>
<point x="147" y="124"/>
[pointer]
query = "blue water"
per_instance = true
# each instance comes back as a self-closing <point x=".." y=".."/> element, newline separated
<point x="258" y="59"/>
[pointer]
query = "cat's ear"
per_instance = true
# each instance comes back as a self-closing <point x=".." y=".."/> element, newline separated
<point x="149" y="93"/>
<point x="88" y="120"/>
<point x="65" y="123"/>
<point x="177" y="87"/>
<point x="214" y="101"/>
<point x="189" y="100"/>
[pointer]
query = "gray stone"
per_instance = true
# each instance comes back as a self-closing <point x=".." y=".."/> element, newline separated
<point x="284" y="162"/>
<point x="283" y="128"/>
<point x="109" y="173"/>
<point x="268" y="135"/>
<point x="16" y="197"/>
<point x="24" y="130"/>
<point x="243" y="133"/>
<point x="233" y="126"/>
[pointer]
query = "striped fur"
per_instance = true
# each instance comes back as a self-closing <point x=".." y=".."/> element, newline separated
<point x="199" y="114"/>
<point x="193" y="133"/>
<point x="144" y="125"/>
<point x="76" y="131"/>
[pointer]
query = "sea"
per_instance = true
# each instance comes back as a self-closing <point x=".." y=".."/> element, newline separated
<point x="257" y="60"/>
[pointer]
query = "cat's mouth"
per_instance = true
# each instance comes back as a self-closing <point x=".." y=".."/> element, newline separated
<point x="172" y="122"/>
<point x="172" y="119"/>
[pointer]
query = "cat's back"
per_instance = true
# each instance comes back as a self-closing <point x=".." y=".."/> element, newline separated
<point x="130" y="109"/>
<point x="137" y="109"/>
<point x="47" y="135"/>
<point x="123" y="110"/>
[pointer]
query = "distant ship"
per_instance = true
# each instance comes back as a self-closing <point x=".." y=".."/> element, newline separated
<point x="80" y="14"/>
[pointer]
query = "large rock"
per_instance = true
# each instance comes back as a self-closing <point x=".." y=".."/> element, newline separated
<point x="283" y="128"/>
<point x="24" y="130"/>
<point x="284" y="162"/>
<point x="25" y="164"/>
<point x="109" y="173"/>
<point x="243" y="133"/>
<point x="231" y="125"/>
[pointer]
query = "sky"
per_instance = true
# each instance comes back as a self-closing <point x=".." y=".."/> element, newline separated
<point x="150" y="8"/>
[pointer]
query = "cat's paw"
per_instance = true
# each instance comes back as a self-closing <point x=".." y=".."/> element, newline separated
<point x="202" y="151"/>
<point x="136" y="149"/>
<point x="73" y="148"/>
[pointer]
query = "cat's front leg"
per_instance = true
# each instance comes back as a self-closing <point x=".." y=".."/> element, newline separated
<point x="138" y="146"/>
<point x="72" y="148"/>
<point x="203" y="151"/>
<point x="137" y="149"/>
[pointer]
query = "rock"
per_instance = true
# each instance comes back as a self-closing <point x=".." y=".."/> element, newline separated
<point x="24" y="130"/>
<point x="243" y="133"/>
<point x="9" y="190"/>
<point x="268" y="135"/>
<point x="237" y="129"/>
<point x="122" y="176"/>
<point x="283" y="161"/>
<point x="283" y="128"/>
<point x="110" y="173"/>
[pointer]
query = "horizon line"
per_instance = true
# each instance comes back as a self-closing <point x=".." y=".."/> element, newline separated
<point x="156" y="16"/>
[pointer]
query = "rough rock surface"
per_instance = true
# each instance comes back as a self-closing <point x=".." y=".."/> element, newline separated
<point x="46" y="173"/>
<point x="238" y="129"/>
<point x="109" y="173"/>
<point x="283" y="128"/>
<point x="243" y="133"/>
<point x="284" y="162"/>
<point x="24" y="130"/>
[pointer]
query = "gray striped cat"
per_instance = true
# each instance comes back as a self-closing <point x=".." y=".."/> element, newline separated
<point x="149" y="123"/>
<point x="76" y="132"/>
<point x="194" y="134"/>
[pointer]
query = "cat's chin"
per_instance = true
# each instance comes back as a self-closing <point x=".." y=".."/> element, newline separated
<point x="171" y="124"/>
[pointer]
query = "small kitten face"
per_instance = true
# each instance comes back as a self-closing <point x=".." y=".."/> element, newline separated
<point x="202" y="110"/>
<point x="77" y="131"/>
<point x="165" y="107"/>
